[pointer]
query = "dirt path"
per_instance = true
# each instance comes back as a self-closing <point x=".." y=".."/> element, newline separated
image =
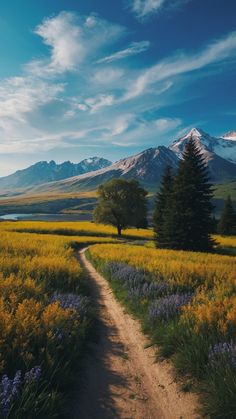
<point x="122" y="380"/>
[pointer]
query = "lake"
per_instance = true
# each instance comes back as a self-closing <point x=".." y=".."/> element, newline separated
<point x="46" y="217"/>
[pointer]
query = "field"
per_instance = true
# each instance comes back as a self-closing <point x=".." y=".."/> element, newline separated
<point x="46" y="318"/>
<point x="187" y="304"/>
<point x="29" y="203"/>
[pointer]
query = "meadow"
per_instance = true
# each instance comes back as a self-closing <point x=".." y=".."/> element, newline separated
<point x="187" y="304"/>
<point x="80" y="228"/>
<point x="46" y="319"/>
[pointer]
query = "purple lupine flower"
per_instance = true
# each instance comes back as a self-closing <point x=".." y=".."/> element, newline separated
<point x="79" y="303"/>
<point x="33" y="376"/>
<point x="222" y="351"/>
<point x="9" y="390"/>
<point x="137" y="282"/>
<point x="166" y="308"/>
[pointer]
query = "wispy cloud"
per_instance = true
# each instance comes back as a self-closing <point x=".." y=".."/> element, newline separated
<point x="133" y="49"/>
<point x="145" y="8"/>
<point x="164" y="125"/>
<point x="22" y="95"/>
<point x="182" y="63"/>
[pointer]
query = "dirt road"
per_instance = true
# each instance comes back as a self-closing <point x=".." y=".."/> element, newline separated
<point x="122" y="378"/>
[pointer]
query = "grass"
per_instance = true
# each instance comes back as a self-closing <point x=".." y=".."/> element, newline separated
<point x="46" y="320"/>
<point x="48" y="203"/>
<point x="187" y="303"/>
<point x="74" y="228"/>
<point x="37" y="260"/>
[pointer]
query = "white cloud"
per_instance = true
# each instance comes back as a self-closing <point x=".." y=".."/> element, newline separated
<point x="133" y="49"/>
<point x="72" y="40"/>
<point x="120" y="125"/>
<point x="22" y="95"/>
<point x="95" y="103"/>
<point x="183" y="63"/>
<point x="107" y="75"/>
<point x="63" y="36"/>
<point x="164" y="125"/>
<point x="145" y="8"/>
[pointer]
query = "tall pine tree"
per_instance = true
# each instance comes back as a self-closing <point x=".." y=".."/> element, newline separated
<point x="187" y="223"/>
<point x="161" y="205"/>
<point x="227" y="223"/>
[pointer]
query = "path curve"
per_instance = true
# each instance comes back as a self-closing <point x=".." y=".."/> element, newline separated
<point x="122" y="378"/>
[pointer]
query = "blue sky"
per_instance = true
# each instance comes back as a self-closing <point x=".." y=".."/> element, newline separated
<point x="84" y="78"/>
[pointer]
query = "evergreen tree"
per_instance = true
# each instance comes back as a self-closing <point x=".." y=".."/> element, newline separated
<point x="187" y="222"/>
<point x="161" y="206"/>
<point x="227" y="223"/>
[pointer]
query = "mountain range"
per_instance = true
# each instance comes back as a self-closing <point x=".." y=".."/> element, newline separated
<point x="219" y="155"/>
<point x="43" y="172"/>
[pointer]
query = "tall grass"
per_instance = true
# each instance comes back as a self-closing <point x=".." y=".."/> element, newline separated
<point x="187" y="302"/>
<point x="45" y="321"/>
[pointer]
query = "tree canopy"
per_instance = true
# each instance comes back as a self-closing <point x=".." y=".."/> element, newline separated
<point x="121" y="203"/>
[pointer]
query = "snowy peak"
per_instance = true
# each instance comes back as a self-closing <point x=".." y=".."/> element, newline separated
<point x="230" y="135"/>
<point x="208" y="145"/>
<point x="43" y="172"/>
<point x="147" y="167"/>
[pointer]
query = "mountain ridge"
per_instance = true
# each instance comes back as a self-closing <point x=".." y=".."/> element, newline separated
<point x="43" y="172"/>
<point x="147" y="166"/>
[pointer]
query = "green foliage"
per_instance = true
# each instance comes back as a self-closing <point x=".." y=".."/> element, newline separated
<point x="122" y="204"/>
<point x="161" y="204"/>
<point x="227" y="223"/>
<point x="186" y="214"/>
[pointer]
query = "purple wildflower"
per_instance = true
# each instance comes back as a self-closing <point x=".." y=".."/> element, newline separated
<point x="33" y="375"/>
<point x="137" y="282"/>
<point x="10" y="388"/>
<point x="77" y="302"/>
<point x="222" y="351"/>
<point x="167" y="307"/>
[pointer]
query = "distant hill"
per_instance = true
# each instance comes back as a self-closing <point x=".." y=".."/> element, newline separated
<point x="43" y="172"/>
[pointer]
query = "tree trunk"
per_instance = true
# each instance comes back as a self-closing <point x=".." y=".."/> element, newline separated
<point x="119" y="230"/>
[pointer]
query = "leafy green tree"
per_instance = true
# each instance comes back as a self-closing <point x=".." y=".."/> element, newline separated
<point x="227" y="223"/>
<point x="187" y="222"/>
<point x="162" y="202"/>
<point x="121" y="203"/>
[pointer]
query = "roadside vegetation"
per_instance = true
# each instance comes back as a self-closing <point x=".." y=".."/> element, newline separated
<point x="187" y="303"/>
<point x="46" y="320"/>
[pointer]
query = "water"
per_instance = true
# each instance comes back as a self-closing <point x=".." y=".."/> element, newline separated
<point x="46" y="217"/>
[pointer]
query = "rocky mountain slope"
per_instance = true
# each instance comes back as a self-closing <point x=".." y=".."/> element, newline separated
<point x="219" y="154"/>
<point x="43" y="172"/>
<point x="146" y="166"/>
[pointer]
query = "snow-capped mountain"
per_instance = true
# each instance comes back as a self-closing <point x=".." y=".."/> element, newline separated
<point x="224" y="147"/>
<point x="147" y="167"/>
<point x="231" y="135"/>
<point x="219" y="154"/>
<point x="44" y="171"/>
